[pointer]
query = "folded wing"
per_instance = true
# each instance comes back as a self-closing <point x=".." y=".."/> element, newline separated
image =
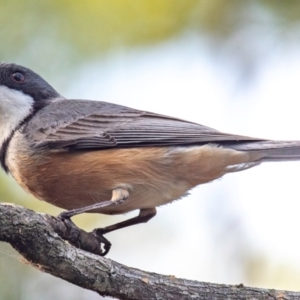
<point x="93" y="125"/>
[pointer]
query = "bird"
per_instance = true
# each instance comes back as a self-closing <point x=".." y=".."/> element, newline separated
<point x="100" y="157"/>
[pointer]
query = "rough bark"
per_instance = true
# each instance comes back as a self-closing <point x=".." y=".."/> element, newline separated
<point x="35" y="237"/>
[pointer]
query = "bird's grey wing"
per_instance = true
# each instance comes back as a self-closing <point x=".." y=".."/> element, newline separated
<point x="83" y="125"/>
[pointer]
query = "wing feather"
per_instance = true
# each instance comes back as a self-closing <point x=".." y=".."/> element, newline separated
<point x="82" y="124"/>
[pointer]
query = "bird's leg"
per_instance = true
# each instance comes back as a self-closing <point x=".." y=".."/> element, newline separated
<point x="144" y="216"/>
<point x="118" y="197"/>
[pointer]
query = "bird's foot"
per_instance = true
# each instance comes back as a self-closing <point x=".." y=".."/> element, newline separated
<point x="93" y="242"/>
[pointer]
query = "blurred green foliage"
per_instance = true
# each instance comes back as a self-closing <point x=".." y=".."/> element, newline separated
<point x="93" y="27"/>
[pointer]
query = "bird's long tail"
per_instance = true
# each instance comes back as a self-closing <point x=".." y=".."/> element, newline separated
<point x="268" y="150"/>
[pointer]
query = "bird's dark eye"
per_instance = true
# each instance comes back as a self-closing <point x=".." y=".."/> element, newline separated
<point x="18" y="77"/>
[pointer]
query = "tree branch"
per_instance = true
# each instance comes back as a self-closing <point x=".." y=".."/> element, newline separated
<point x="34" y="236"/>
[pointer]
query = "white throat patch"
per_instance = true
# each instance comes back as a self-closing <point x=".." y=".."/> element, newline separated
<point x="15" y="106"/>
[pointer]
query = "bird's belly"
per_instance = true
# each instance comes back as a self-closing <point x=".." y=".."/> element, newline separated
<point x="153" y="176"/>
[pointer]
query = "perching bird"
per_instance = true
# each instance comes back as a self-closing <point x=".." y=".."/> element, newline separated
<point x="95" y="156"/>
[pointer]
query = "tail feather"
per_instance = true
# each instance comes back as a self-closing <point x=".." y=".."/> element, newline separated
<point x="269" y="150"/>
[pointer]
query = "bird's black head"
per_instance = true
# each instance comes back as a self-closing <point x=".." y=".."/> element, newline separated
<point x="26" y="81"/>
<point x="22" y="94"/>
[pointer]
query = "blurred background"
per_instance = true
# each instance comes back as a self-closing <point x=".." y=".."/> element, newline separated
<point x="231" y="65"/>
